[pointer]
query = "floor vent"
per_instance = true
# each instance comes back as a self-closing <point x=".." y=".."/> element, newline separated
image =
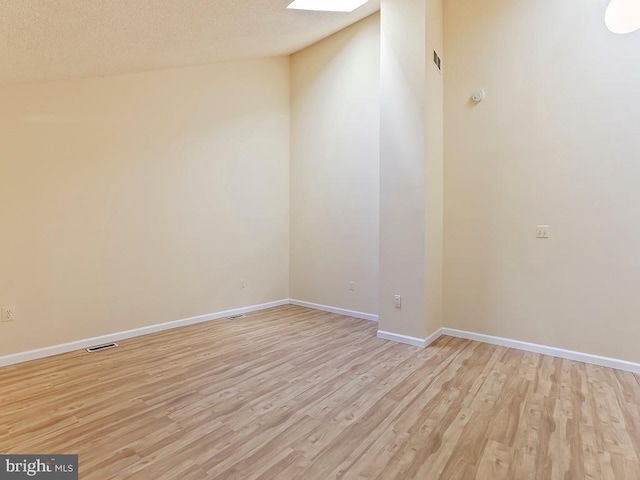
<point x="233" y="317"/>
<point x="97" y="348"/>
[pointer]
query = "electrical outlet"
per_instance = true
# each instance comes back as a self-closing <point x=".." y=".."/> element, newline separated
<point x="8" y="314"/>
<point x="242" y="285"/>
<point x="352" y="286"/>
<point x="542" y="231"/>
<point x="397" y="301"/>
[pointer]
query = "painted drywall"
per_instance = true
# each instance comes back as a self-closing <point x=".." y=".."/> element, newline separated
<point x="434" y="168"/>
<point x="402" y="173"/>
<point x="335" y="112"/>
<point x="139" y="199"/>
<point x="410" y="170"/>
<point x="555" y="142"/>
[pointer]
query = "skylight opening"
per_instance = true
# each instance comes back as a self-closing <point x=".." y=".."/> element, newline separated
<point x="327" y="5"/>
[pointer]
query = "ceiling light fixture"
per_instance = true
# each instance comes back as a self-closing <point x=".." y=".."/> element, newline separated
<point x="327" y="5"/>
<point x="623" y="16"/>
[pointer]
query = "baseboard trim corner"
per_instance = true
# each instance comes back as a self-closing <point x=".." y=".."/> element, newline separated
<point x="340" y="311"/>
<point x="21" y="357"/>
<point x="545" y="350"/>
<point x="415" y="341"/>
<point x="433" y="337"/>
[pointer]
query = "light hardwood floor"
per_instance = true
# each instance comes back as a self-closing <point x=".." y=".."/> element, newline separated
<point x="291" y="393"/>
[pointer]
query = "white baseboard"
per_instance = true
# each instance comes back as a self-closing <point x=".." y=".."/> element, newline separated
<point x="433" y="337"/>
<point x="517" y="344"/>
<point x="396" y="337"/>
<point x="340" y="311"/>
<point x="415" y="341"/>
<point x="544" y="349"/>
<point x="114" y="337"/>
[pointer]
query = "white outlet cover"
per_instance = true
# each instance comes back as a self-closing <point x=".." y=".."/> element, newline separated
<point x="397" y="301"/>
<point x="542" y="231"/>
<point x="8" y="314"/>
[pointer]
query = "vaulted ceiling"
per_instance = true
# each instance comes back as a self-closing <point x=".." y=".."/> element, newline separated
<point x="56" y="39"/>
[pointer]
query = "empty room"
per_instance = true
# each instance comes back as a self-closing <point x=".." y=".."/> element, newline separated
<point x="320" y="239"/>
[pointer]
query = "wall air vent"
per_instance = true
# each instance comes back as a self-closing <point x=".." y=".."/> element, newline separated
<point x="97" y="348"/>
<point x="233" y="317"/>
<point x="436" y="60"/>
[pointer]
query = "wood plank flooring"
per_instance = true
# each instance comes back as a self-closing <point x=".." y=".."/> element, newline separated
<point x="292" y="393"/>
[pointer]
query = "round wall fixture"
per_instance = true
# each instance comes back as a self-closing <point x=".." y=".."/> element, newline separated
<point x="623" y="16"/>
<point x="478" y="96"/>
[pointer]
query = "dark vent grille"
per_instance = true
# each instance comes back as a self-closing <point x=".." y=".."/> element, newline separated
<point x="436" y="60"/>
<point x="97" y="348"/>
<point x="233" y="317"/>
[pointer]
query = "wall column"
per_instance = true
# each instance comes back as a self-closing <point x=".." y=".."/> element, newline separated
<point x="411" y="195"/>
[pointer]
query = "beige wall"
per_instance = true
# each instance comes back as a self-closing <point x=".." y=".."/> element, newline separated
<point x="434" y="169"/>
<point x="555" y="142"/>
<point x="410" y="168"/>
<point x="139" y="199"/>
<point x="334" y="169"/>
<point x="402" y="174"/>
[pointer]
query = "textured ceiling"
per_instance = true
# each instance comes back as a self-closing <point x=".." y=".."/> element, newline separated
<point x="55" y="39"/>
